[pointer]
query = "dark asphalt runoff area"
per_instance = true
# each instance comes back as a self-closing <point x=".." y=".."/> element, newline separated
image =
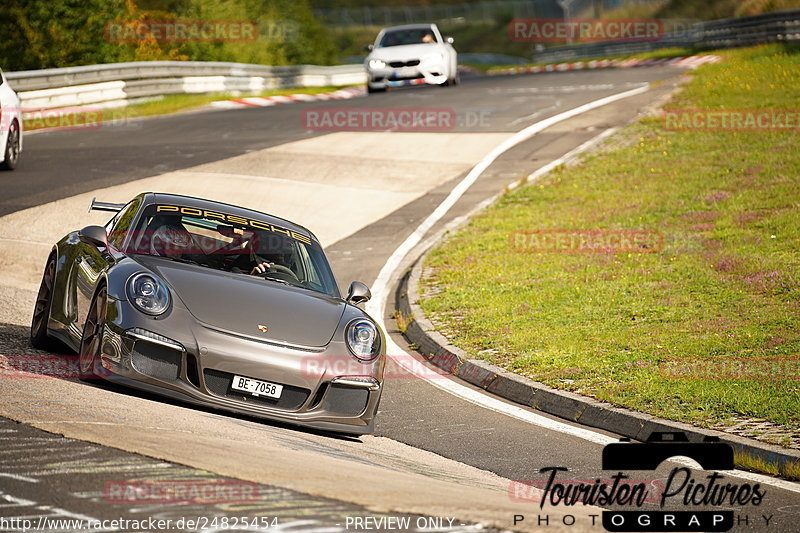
<point x="52" y="483"/>
<point x="60" y="164"/>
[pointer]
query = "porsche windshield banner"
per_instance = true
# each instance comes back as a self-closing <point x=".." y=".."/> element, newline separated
<point x="216" y="216"/>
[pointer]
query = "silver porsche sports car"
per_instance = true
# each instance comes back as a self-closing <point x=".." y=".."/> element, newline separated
<point x="216" y="305"/>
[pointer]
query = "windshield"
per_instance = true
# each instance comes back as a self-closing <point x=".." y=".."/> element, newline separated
<point x="409" y="36"/>
<point x="232" y="244"/>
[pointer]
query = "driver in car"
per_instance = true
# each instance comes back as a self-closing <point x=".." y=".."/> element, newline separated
<point x="171" y="240"/>
<point x="175" y="241"/>
<point x="267" y="253"/>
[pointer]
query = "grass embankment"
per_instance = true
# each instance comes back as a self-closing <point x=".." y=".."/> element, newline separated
<point x="722" y="285"/>
<point x="162" y="106"/>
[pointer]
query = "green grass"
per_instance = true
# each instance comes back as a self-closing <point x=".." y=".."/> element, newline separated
<point x="724" y="285"/>
<point x="789" y="469"/>
<point x="163" y="106"/>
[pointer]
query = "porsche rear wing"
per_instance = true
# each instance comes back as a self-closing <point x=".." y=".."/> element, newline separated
<point x="104" y="206"/>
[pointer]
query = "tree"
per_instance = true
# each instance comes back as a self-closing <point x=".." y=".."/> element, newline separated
<point x="56" y="33"/>
<point x="37" y="34"/>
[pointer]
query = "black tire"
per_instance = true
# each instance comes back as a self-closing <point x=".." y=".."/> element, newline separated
<point x="12" y="148"/>
<point x="41" y="311"/>
<point x="452" y="82"/>
<point x="92" y="338"/>
<point x="370" y="90"/>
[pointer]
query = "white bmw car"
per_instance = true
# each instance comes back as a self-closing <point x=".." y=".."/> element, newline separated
<point x="10" y="126"/>
<point x="411" y="55"/>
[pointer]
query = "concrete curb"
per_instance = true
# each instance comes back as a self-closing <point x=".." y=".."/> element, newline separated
<point x="265" y="101"/>
<point x="683" y="62"/>
<point x="570" y="406"/>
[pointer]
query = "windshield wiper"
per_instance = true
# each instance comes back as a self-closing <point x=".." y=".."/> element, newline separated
<point x="270" y="278"/>
<point x="178" y="259"/>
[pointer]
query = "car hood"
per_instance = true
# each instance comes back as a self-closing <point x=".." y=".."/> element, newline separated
<point x="406" y="52"/>
<point x="241" y="304"/>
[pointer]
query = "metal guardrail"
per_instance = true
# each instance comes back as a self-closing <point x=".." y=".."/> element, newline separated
<point x="777" y="26"/>
<point x="117" y="83"/>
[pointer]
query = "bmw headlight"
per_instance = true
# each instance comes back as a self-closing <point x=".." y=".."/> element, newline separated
<point x="377" y="63"/>
<point x="363" y="339"/>
<point x="148" y="294"/>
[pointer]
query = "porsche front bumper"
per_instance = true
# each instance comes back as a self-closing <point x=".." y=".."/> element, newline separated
<point x="323" y="389"/>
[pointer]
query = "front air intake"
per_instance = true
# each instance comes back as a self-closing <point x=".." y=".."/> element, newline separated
<point x="156" y="361"/>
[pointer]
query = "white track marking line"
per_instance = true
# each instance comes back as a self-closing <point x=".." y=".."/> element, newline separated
<point x="19" y="477"/>
<point x="380" y="288"/>
<point x="534" y="115"/>
<point x="24" y="241"/>
<point x="766" y="480"/>
<point x="288" y="181"/>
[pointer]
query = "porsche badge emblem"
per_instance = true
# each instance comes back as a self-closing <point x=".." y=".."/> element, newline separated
<point x="262" y="328"/>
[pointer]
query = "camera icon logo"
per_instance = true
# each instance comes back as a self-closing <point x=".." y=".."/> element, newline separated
<point x="711" y="454"/>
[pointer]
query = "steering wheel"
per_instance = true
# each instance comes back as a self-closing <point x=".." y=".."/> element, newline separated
<point x="282" y="269"/>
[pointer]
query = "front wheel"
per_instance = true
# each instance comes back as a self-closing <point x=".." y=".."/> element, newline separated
<point x="41" y="311"/>
<point x="371" y="90"/>
<point x="12" y="148"/>
<point x="92" y="338"/>
<point x="452" y="81"/>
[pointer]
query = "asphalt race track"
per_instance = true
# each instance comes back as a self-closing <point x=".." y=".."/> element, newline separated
<point x="434" y="455"/>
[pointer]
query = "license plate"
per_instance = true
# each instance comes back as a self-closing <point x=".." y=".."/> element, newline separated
<point x="402" y="72"/>
<point x="256" y="387"/>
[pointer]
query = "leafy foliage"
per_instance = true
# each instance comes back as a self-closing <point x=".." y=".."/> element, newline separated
<point x="38" y="34"/>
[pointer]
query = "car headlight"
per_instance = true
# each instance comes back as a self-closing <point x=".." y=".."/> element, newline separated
<point x="148" y="294"/>
<point x="363" y="339"/>
<point x="377" y="63"/>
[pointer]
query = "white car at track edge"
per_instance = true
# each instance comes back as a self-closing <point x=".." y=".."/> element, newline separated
<point x="10" y="126"/>
<point x="413" y="54"/>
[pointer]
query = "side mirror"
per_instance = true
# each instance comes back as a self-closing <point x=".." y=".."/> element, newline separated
<point x="369" y="47"/>
<point x="358" y="293"/>
<point x="449" y="40"/>
<point x="94" y="235"/>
